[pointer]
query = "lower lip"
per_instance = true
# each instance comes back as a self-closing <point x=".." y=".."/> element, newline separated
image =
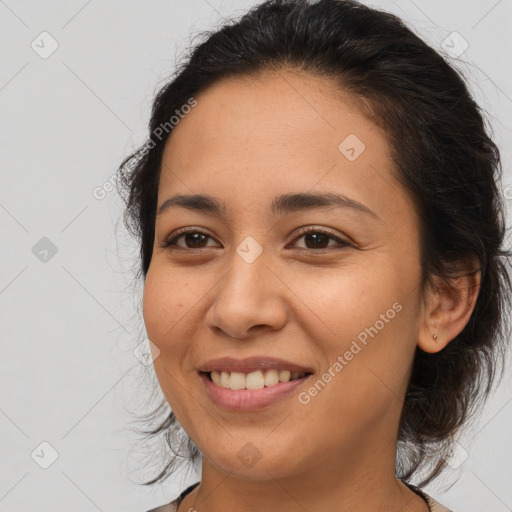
<point x="249" y="399"/>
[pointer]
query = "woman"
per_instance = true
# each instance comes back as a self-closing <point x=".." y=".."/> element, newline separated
<point x="321" y="239"/>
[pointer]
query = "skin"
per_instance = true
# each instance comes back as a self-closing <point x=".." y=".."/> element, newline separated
<point x="247" y="141"/>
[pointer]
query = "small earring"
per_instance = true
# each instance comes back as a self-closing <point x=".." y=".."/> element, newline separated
<point x="435" y="337"/>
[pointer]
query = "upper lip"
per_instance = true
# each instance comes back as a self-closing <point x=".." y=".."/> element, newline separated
<point x="251" y="364"/>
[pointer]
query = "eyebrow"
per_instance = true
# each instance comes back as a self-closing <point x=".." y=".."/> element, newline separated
<point x="281" y="205"/>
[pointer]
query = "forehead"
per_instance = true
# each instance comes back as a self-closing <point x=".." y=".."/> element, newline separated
<point x="260" y="135"/>
<point x="282" y="110"/>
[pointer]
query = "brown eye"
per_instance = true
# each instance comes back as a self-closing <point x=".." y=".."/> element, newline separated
<point x="194" y="239"/>
<point x="317" y="240"/>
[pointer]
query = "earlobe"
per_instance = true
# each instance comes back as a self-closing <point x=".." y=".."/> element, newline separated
<point x="449" y="310"/>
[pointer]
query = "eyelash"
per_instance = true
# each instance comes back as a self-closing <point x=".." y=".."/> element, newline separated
<point x="170" y="243"/>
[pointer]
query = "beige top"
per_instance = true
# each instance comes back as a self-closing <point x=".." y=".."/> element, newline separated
<point x="173" y="505"/>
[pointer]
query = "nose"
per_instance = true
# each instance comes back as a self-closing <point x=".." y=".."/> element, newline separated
<point x="249" y="298"/>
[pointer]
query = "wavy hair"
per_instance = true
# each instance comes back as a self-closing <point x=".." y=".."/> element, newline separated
<point x="442" y="152"/>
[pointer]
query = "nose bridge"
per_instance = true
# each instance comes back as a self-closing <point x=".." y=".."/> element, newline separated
<point x="248" y="295"/>
<point x="248" y="266"/>
<point x="248" y="273"/>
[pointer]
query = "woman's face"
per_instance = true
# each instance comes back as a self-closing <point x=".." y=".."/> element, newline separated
<point x="341" y="303"/>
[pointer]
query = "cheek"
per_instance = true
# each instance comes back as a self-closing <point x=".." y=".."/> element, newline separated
<point x="368" y="316"/>
<point x="167" y="302"/>
<point x="336" y="305"/>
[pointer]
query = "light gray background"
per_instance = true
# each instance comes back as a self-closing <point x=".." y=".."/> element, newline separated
<point x="68" y="374"/>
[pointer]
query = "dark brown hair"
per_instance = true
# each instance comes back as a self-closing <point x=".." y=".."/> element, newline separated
<point x="442" y="153"/>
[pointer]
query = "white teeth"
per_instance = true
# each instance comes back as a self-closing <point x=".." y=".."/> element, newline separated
<point x="224" y="379"/>
<point x="271" y="377"/>
<point x="284" y="375"/>
<point x="236" y="380"/>
<point x="253" y="380"/>
<point x="216" y="377"/>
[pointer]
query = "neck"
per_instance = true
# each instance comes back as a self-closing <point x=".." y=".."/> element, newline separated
<point x="360" y="487"/>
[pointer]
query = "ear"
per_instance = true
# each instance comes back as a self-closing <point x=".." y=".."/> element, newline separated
<point x="449" y="308"/>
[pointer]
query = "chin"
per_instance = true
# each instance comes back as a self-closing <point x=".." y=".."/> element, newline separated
<point x="249" y="462"/>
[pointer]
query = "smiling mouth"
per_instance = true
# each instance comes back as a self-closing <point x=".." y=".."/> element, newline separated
<point x="253" y="380"/>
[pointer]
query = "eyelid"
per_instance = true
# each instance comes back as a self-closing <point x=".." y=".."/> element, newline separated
<point x="320" y="229"/>
<point x="171" y="239"/>
<point x="342" y="243"/>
